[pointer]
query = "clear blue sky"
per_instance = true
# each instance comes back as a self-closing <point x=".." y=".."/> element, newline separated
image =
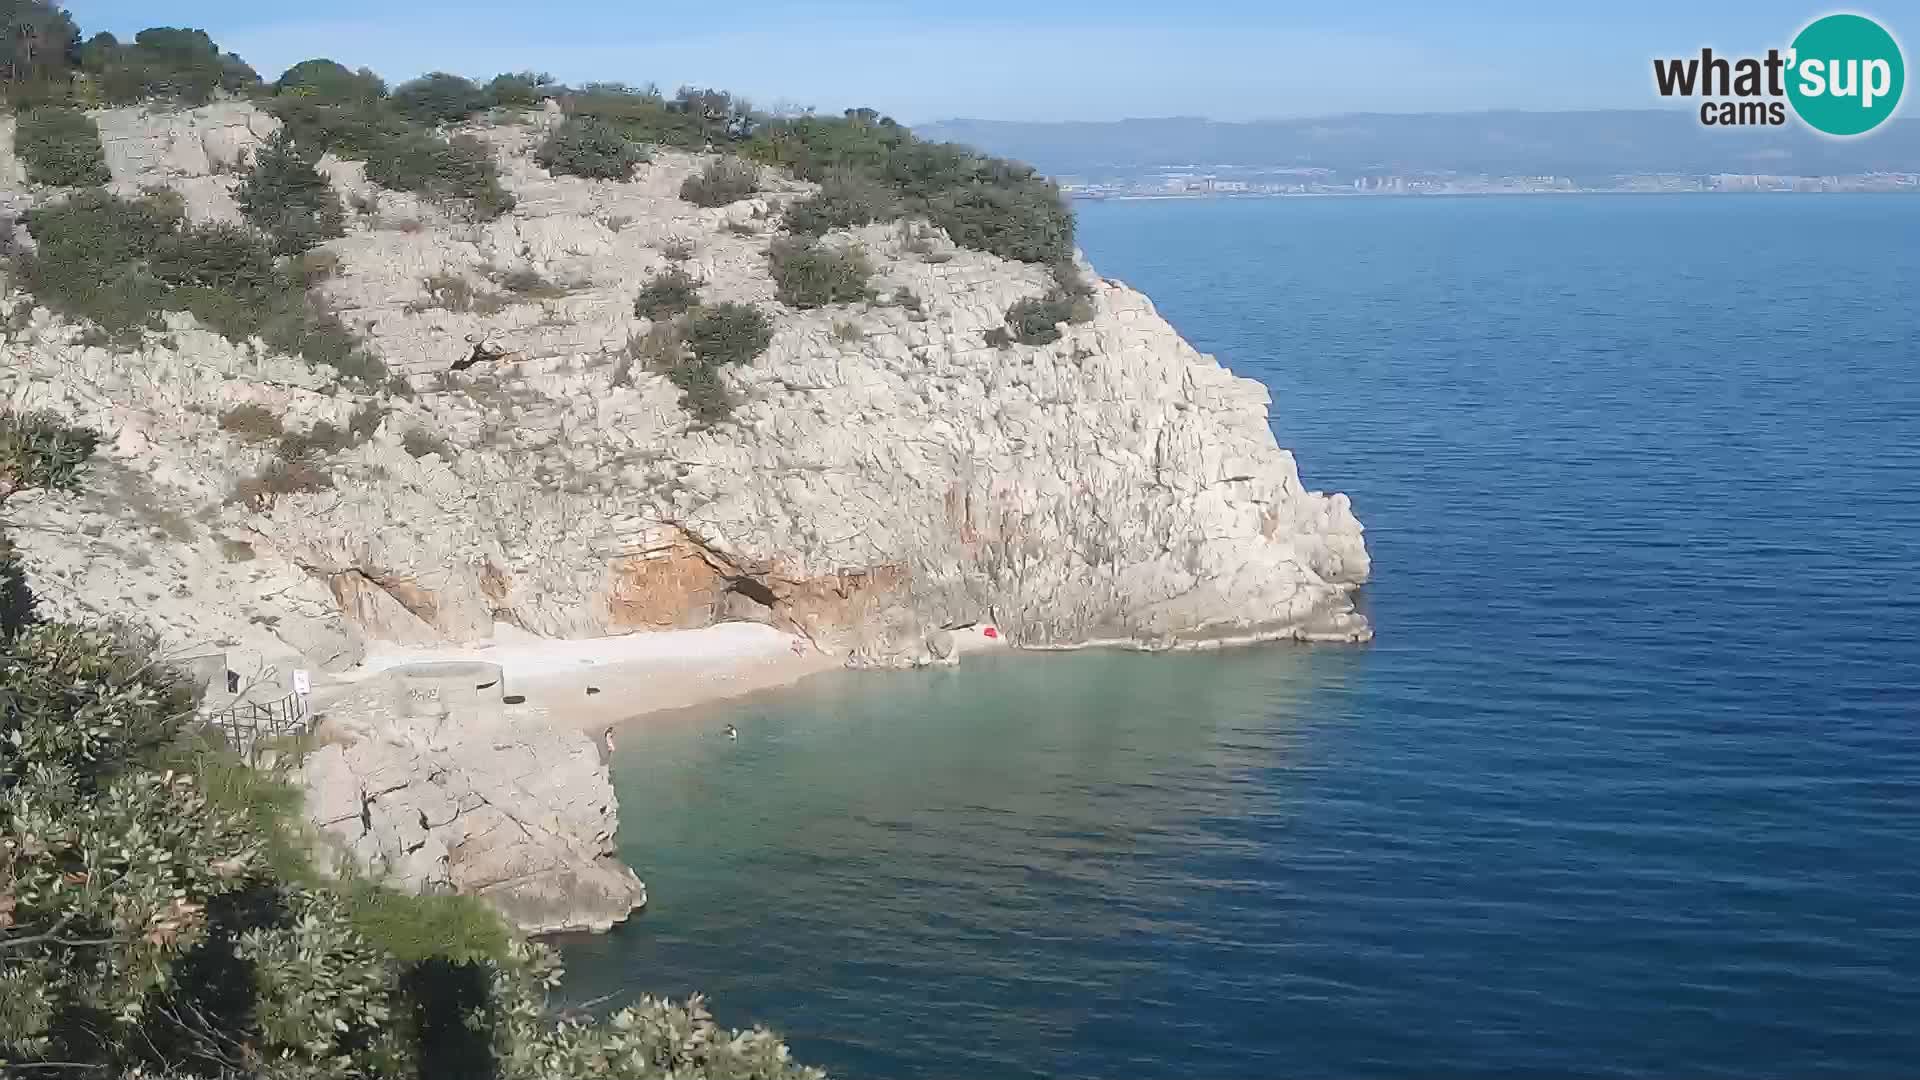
<point x="1027" y="59"/>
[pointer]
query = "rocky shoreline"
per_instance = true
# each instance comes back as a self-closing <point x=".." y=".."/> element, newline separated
<point x="889" y="474"/>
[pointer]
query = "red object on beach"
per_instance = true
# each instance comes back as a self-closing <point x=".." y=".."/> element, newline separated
<point x="991" y="632"/>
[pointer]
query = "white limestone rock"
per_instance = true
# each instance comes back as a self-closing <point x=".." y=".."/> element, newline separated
<point x="498" y="803"/>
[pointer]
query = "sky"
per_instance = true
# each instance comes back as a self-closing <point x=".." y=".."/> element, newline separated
<point x="1026" y="59"/>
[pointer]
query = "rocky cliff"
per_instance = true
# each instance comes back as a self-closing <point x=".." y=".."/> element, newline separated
<point x="888" y="472"/>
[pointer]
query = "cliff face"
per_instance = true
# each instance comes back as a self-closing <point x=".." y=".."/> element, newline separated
<point x="886" y="474"/>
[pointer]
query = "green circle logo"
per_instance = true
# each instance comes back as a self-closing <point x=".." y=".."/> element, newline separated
<point x="1846" y="74"/>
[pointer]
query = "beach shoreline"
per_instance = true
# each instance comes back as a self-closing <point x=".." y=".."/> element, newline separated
<point x="598" y="684"/>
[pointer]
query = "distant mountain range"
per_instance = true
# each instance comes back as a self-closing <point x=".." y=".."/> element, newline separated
<point x="1582" y="145"/>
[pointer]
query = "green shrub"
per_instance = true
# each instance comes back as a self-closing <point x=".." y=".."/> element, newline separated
<point x="252" y="422"/>
<point x="327" y="109"/>
<point x="16" y="597"/>
<point x="438" y="98"/>
<point x="908" y="300"/>
<point x="364" y="421"/>
<point x="278" y="477"/>
<point x="353" y="128"/>
<point x="1026" y="222"/>
<point x="583" y="146"/>
<point x="92" y="259"/>
<point x="1037" y="321"/>
<point x="998" y="337"/>
<point x="39" y="451"/>
<point x="728" y="333"/>
<point x="122" y="263"/>
<point x="284" y="196"/>
<point x="451" y="292"/>
<point x="1068" y="279"/>
<point x="692" y="357"/>
<point x="667" y="295"/>
<point x="60" y="147"/>
<point x="528" y="283"/>
<point x="845" y="199"/>
<point x="322" y="440"/>
<point x="715" y="116"/>
<point x="227" y="258"/>
<point x="315" y="267"/>
<point x="461" y="170"/>
<point x="303" y="326"/>
<point x="692" y="119"/>
<point x="985" y="203"/>
<point x="517" y="90"/>
<point x="703" y="393"/>
<point x="811" y="275"/>
<point x="328" y="81"/>
<point x="724" y="181"/>
<point x="51" y="675"/>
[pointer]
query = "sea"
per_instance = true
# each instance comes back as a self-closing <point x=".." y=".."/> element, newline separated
<point x="1627" y="785"/>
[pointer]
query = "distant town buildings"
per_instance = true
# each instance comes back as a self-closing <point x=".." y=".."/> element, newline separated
<point x="1199" y="183"/>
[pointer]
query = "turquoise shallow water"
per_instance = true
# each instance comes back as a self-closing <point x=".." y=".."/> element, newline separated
<point x="1628" y="785"/>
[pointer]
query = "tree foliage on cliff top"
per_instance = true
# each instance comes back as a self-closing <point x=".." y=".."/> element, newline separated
<point x="164" y="63"/>
<point x="39" y="51"/>
<point x="160" y="914"/>
<point x="329" y="109"/>
<point x="983" y="202"/>
<point x="694" y="118"/>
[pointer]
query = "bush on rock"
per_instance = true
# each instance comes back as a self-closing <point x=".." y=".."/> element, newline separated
<point x="331" y="82"/>
<point x="517" y="90"/>
<point x="438" y="98"/>
<point x="983" y="202"/>
<point x="810" y="274"/>
<point x="122" y="263"/>
<point x="583" y="146"/>
<point x="60" y="147"/>
<point x="460" y="170"/>
<point x="1037" y="321"/>
<point x="712" y="338"/>
<point x="845" y="199"/>
<point x="285" y="197"/>
<point x="725" y="181"/>
<point x="668" y="294"/>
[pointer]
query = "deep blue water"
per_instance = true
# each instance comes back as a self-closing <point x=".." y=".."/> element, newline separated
<point x="1628" y="784"/>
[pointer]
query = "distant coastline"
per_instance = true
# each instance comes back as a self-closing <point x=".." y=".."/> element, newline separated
<point x="1204" y="196"/>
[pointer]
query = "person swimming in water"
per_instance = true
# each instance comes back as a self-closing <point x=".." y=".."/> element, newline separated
<point x="732" y="732"/>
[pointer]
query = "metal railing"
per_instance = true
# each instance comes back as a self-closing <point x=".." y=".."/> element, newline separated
<point x="252" y="725"/>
